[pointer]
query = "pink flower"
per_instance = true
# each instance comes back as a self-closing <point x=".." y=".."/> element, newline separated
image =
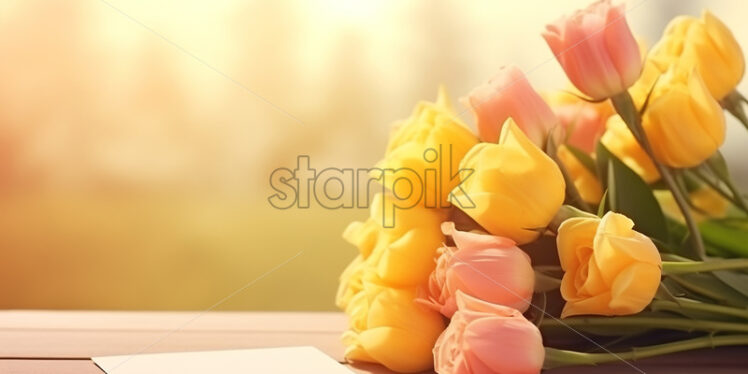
<point x="596" y="49"/>
<point x="509" y="94"/>
<point x="488" y="267"/>
<point x="583" y="123"/>
<point x="488" y="338"/>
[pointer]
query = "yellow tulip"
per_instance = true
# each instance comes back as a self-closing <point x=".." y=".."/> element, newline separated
<point x="653" y="68"/>
<point x="425" y="150"/>
<point x="585" y="181"/>
<point x="350" y="282"/>
<point x="378" y="288"/>
<point x="515" y="187"/>
<point x="619" y="140"/>
<point x="683" y="122"/>
<point x="402" y="255"/>
<point x="387" y="327"/>
<point x="707" y="45"/>
<point x="610" y="269"/>
<point x="707" y="203"/>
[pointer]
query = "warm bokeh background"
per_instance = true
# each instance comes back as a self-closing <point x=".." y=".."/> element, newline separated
<point x="134" y="166"/>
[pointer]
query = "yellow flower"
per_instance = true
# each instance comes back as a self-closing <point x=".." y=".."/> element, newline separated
<point x="653" y="68"/>
<point x="516" y="188"/>
<point x="585" y="181"/>
<point x="610" y="269"/>
<point x="350" y="282"/>
<point x="707" y="203"/>
<point x="707" y="45"/>
<point x="387" y="327"/>
<point x="378" y="288"/>
<point x="402" y="255"/>
<point x="619" y="140"/>
<point x="683" y="122"/>
<point x="432" y="139"/>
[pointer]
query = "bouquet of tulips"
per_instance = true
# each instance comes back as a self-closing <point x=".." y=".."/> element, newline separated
<point x="581" y="227"/>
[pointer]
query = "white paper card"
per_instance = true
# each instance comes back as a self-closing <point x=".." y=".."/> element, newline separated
<point x="284" y="360"/>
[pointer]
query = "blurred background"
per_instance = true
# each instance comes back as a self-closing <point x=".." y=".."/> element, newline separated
<point x="137" y="137"/>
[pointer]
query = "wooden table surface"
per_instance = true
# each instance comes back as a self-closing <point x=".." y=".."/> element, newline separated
<point x="62" y="342"/>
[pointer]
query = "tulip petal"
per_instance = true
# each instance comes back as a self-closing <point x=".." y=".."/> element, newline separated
<point x="572" y="234"/>
<point x="617" y="245"/>
<point x="634" y="288"/>
<point x="595" y="305"/>
<point x="504" y="346"/>
<point x="500" y="276"/>
<point x="465" y="239"/>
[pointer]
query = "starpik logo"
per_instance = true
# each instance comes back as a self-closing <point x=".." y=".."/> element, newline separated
<point x="351" y="188"/>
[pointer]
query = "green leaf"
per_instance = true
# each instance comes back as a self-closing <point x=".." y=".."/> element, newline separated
<point x="729" y="234"/>
<point x="708" y="285"/>
<point x="737" y="280"/>
<point x="663" y="293"/>
<point x="584" y="158"/>
<point x="629" y="195"/>
<point x="601" y="160"/>
<point x="679" y="291"/>
<point x="718" y="165"/>
<point x="659" y="185"/>
<point x="603" y="207"/>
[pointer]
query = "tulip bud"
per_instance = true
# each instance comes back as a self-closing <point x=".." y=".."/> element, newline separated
<point x="487" y="267"/>
<point x="388" y="328"/>
<point x="610" y="269"/>
<point x="585" y="181"/>
<point x="515" y="187"/>
<point x="488" y="338"/>
<point x="683" y="122"/>
<point x="596" y="49"/>
<point x="431" y="139"/>
<point x="709" y="46"/>
<point x="509" y="94"/>
<point x="619" y="140"/>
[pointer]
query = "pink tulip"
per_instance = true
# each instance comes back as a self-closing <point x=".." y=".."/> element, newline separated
<point x="583" y="123"/>
<point x="596" y="49"/>
<point x="488" y="267"/>
<point x="509" y="94"/>
<point x="488" y="338"/>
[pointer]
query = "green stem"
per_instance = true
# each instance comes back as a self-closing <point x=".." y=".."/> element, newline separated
<point x="679" y="267"/>
<point x="624" y="105"/>
<point x="733" y="104"/>
<point x="558" y="357"/>
<point x="674" y="258"/>
<point x="667" y="323"/>
<point x="733" y="197"/>
<point x="689" y="305"/>
<point x="737" y="196"/>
